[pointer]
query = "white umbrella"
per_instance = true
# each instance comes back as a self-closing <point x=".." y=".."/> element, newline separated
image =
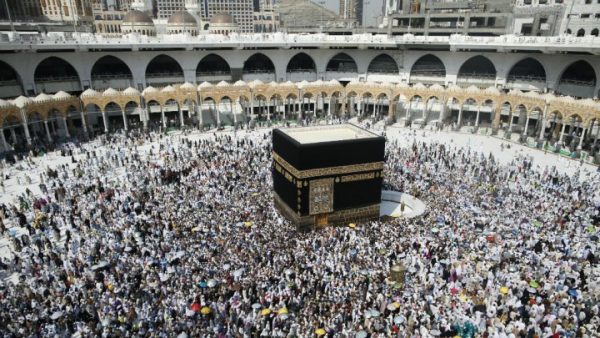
<point x="361" y="334"/>
<point x="238" y="272"/>
<point x="101" y="265"/>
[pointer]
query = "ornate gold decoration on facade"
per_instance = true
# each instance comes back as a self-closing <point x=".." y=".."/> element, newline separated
<point x="329" y="171"/>
<point x="320" y="196"/>
<point x="583" y="110"/>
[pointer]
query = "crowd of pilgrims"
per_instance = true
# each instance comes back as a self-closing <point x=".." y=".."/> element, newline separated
<point x="162" y="236"/>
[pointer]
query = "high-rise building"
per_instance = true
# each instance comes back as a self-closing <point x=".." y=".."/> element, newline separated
<point x="266" y="20"/>
<point x="582" y="18"/>
<point x="123" y="5"/>
<point x="67" y="10"/>
<point x="352" y="10"/>
<point x="241" y="10"/>
<point x="446" y="17"/>
<point x="20" y="9"/>
<point x="166" y="8"/>
<point x="538" y="18"/>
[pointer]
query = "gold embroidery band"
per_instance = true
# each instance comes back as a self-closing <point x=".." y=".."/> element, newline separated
<point x="358" y="177"/>
<point x="340" y="170"/>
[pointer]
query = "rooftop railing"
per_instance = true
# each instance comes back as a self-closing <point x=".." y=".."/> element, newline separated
<point x="239" y="40"/>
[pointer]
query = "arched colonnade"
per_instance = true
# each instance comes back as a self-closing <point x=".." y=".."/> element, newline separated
<point x="225" y="103"/>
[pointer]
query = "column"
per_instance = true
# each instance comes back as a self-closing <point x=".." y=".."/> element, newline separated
<point x="443" y="110"/>
<point x="105" y="121"/>
<point x="232" y="112"/>
<point x="83" y="122"/>
<point x="424" y="111"/>
<point x="162" y="117"/>
<point x="315" y="106"/>
<point x="526" y="124"/>
<point x="361" y="107"/>
<point x="477" y="117"/>
<point x="562" y="132"/>
<point x="252" y="106"/>
<point x="199" y="112"/>
<point x="329" y="107"/>
<point x="268" y="111"/>
<point x="13" y="135"/>
<point x="460" y="110"/>
<point x="125" y="127"/>
<point x="4" y="143"/>
<point x="181" y="120"/>
<point x="218" y="113"/>
<point x="67" y="134"/>
<point x="510" y="122"/>
<point x="27" y="136"/>
<point x="543" y="122"/>
<point x="583" y="130"/>
<point x="48" y="136"/>
<point x="145" y="116"/>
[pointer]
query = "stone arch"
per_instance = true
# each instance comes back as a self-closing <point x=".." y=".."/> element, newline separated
<point x="301" y="62"/>
<point x="109" y="67"/>
<point x="9" y="77"/>
<point x="131" y="106"/>
<point x="96" y="108"/>
<point x="13" y="119"/>
<point x="578" y="79"/>
<point x="163" y="66"/>
<point x="342" y="63"/>
<point x="595" y="32"/>
<point x="259" y="63"/>
<point x="478" y="67"/>
<point x="529" y="69"/>
<point x="213" y="65"/>
<point x="427" y="66"/>
<point x="112" y="107"/>
<point x="581" y="32"/>
<point x="574" y="117"/>
<point x="383" y="64"/>
<point x="56" y="70"/>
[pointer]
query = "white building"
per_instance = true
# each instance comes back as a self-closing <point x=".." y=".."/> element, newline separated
<point x="241" y="10"/>
<point x="576" y="17"/>
<point x="67" y="10"/>
<point x="166" y="8"/>
<point x="582" y="17"/>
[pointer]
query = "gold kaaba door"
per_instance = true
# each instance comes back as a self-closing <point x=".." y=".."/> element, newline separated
<point x="321" y="200"/>
<point x="321" y="220"/>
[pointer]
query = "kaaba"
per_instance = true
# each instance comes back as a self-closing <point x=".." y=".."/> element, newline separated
<point x="327" y="175"/>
